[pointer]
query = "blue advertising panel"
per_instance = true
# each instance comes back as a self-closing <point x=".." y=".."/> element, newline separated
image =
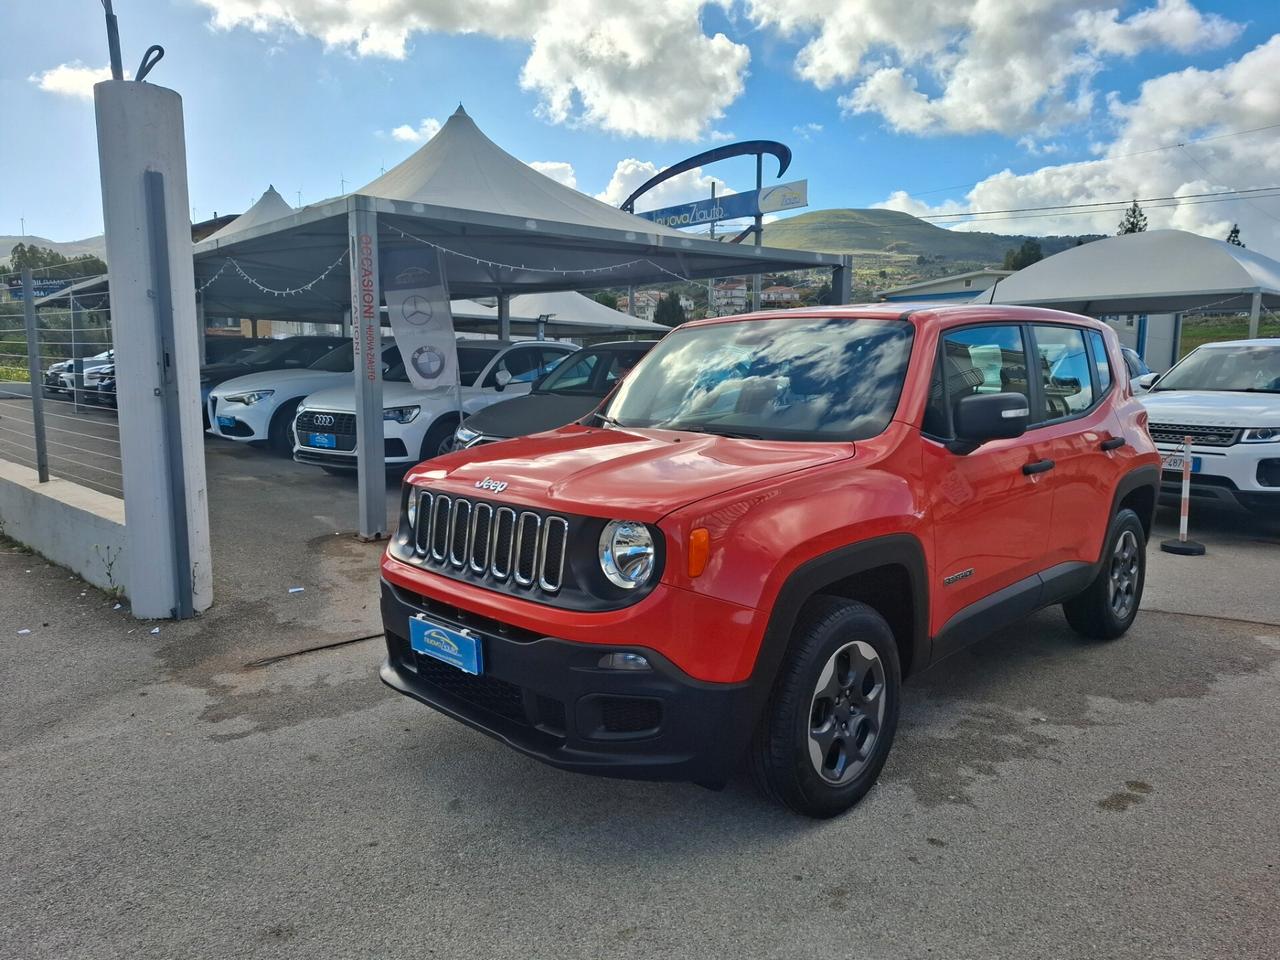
<point x="732" y="206"/>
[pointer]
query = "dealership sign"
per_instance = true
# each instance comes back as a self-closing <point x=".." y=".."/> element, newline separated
<point x="733" y="206"/>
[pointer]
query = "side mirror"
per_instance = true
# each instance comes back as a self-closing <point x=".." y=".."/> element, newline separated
<point x="502" y="378"/>
<point x="1148" y="380"/>
<point x="989" y="416"/>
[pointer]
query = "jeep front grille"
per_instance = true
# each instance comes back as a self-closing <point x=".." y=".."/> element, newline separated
<point x="1200" y="435"/>
<point x="524" y="548"/>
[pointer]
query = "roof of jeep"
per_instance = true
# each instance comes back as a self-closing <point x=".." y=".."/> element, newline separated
<point x="920" y="314"/>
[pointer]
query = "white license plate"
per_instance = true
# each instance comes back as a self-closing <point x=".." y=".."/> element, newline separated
<point x="1174" y="462"/>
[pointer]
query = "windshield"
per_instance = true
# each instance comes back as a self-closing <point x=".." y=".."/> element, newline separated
<point x="261" y="353"/>
<point x="1255" y="369"/>
<point x="589" y="373"/>
<point x="471" y="361"/>
<point x="806" y="378"/>
<point x="339" y="360"/>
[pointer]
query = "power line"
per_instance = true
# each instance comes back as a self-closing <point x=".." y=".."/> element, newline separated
<point x="1184" y="198"/>
<point x="1119" y="156"/>
<point x="1095" y="212"/>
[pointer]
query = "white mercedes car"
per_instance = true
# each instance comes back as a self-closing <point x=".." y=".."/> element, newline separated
<point x="419" y="424"/>
<point x="1226" y="398"/>
<point x="260" y="407"/>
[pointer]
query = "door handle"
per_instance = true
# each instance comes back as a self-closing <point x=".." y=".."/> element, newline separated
<point x="1115" y="443"/>
<point x="1040" y="466"/>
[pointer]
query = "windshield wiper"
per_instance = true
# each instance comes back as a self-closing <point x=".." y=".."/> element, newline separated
<point x="707" y="429"/>
<point x="607" y="420"/>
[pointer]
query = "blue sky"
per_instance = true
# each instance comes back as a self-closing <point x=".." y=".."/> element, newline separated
<point x="920" y="104"/>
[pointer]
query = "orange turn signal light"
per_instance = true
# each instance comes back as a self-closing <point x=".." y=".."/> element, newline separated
<point x="699" y="550"/>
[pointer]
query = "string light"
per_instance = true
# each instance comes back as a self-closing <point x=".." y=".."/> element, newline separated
<point x="286" y="292"/>
<point x="583" y="271"/>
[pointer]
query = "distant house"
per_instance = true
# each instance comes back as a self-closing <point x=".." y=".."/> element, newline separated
<point x="959" y="288"/>
<point x="778" y="296"/>
<point x="730" y="296"/>
<point x="647" y="304"/>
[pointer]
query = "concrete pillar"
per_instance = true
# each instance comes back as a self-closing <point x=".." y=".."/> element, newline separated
<point x="148" y="238"/>
<point x="1255" y="314"/>
<point x="366" y="316"/>
<point x="504" y="316"/>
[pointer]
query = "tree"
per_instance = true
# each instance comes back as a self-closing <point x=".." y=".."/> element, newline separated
<point x="1233" y="237"/>
<point x="1024" y="256"/>
<point x="54" y="264"/>
<point x="669" y="312"/>
<point x="823" y="296"/>
<point x="610" y="300"/>
<point x="1135" y="221"/>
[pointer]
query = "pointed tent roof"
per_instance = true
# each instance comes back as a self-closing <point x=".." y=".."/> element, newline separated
<point x="570" y="313"/>
<point x="1159" y="271"/>
<point x="462" y="168"/>
<point x="270" y="206"/>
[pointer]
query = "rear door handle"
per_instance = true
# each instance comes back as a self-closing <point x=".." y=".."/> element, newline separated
<point x="1040" y="466"/>
<point x="1115" y="443"/>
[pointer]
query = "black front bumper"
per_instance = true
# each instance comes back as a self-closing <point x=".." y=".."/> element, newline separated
<point x="550" y="699"/>
<point x="1207" y="488"/>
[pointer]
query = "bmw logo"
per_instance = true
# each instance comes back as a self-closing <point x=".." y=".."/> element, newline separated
<point x="429" y="362"/>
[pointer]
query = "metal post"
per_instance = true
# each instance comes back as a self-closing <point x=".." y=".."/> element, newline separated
<point x="842" y="279"/>
<point x="631" y="300"/>
<point x="504" y="316"/>
<point x="33" y="372"/>
<point x="77" y="359"/>
<point x="366" y="299"/>
<point x="346" y="322"/>
<point x="759" y="224"/>
<point x="153" y="185"/>
<point x="1255" y="314"/>
<point x="711" y="281"/>
<point x="201" y="325"/>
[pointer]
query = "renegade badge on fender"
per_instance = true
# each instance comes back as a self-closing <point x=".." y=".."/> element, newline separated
<point x="772" y="522"/>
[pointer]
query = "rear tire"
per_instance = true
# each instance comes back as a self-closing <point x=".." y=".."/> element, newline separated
<point x="1106" y="608"/>
<point x="280" y="435"/>
<point x="831" y="718"/>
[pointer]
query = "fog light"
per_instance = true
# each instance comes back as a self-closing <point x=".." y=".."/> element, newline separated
<point x="1269" y="472"/>
<point x="624" y="661"/>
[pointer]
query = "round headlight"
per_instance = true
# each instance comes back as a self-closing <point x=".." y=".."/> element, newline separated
<point x="627" y="553"/>
<point x="411" y="508"/>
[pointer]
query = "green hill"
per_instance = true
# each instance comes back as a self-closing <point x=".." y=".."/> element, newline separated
<point x="893" y="235"/>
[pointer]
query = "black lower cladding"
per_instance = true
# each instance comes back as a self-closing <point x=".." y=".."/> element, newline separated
<point x="550" y="699"/>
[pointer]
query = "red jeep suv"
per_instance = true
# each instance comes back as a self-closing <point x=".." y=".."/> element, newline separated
<point x="772" y="521"/>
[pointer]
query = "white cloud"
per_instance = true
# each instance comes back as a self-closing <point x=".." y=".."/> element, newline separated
<point x="682" y="188"/>
<point x="71" y="79"/>
<point x="427" y="128"/>
<point x="635" y="69"/>
<point x="1172" y="109"/>
<point x="557" y="170"/>
<point x="807" y="131"/>
<point x="967" y="66"/>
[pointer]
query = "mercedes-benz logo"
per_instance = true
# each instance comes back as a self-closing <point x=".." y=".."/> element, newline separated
<point x="416" y="310"/>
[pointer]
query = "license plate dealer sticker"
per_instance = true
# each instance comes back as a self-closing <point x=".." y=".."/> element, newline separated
<point x="1174" y="462"/>
<point x="226" y="423"/>
<point x="326" y="440"/>
<point x="456" y="649"/>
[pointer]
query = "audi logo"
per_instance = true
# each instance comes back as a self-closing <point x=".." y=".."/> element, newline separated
<point x="323" y="419"/>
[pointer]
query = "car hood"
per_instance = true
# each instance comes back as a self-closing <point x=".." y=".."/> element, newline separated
<point x="1213" y="408"/>
<point x="532" y="413"/>
<point x="394" y="394"/>
<point x="298" y="381"/>
<point x="621" y="473"/>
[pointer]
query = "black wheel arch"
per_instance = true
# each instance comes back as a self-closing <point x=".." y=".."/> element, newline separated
<point x="1139" y="491"/>
<point x="887" y="573"/>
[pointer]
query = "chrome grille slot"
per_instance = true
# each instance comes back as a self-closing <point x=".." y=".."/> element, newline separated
<point x="481" y="537"/>
<point x="440" y="527"/>
<point x="504" y="541"/>
<point x="555" y="534"/>
<point x="459" y="531"/>
<point x="1203" y="436"/>
<point x="421" y="532"/>
<point x="527" y="530"/>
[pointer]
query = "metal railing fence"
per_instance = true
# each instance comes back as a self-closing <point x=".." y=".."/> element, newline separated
<point x="57" y="384"/>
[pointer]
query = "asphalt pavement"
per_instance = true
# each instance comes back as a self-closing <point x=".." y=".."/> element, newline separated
<point x="242" y="786"/>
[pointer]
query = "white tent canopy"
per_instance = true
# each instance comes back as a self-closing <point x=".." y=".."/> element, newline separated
<point x="1160" y="271"/>
<point x="270" y="206"/>
<point x="570" y="314"/>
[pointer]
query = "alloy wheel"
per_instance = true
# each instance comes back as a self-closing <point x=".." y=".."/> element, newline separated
<point x="1122" y="585"/>
<point x="846" y="712"/>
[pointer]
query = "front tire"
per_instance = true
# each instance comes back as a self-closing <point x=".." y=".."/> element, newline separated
<point x="280" y="435"/>
<point x="439" y="439"/>
<point x="1106" y="608"/>
<point x="831" y="719"/>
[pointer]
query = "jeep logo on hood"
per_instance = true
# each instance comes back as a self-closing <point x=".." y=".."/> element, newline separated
<point x="488" y="483"/>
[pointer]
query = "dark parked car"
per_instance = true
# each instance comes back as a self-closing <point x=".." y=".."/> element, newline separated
<point x="218" y="348"/>
<point x="570" y="391"/>
<point x="286" y="354"/>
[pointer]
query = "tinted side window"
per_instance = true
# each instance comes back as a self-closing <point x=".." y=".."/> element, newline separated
<point x="1101" y="361"/>
<point x="974" y="361"/>
<point x="1064" y="372"/>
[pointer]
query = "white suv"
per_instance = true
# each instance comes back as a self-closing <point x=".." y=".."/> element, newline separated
<point x="260" y="407"/>
<point x="1226" y="397"/>
<point x="419" y="424"/>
